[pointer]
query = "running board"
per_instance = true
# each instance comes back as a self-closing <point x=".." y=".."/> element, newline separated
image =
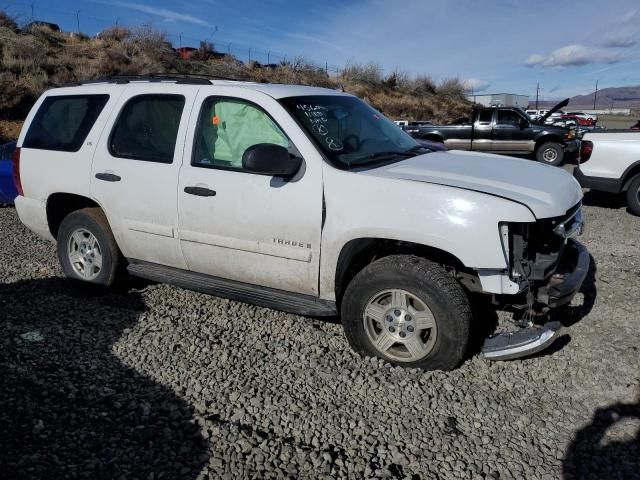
<point x="525" y="342"/>
<point x="262" y="296"/>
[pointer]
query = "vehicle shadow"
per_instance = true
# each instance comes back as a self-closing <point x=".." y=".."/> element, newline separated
<point x="600" y="450"/>
<point x="69" y="408"/>
<point x="594" y="198"/>
<point x="484" y="323"/>
<point x="571" y="314"/>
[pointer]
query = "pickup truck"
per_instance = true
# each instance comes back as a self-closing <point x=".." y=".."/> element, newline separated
<point x="507" y="130"/>
<point x="302" y="199"/>
<point x="610" y="162"/>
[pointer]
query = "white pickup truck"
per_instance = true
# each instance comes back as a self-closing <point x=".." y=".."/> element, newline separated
<point x="610" y="162"/>
<point x="302" y="199"/>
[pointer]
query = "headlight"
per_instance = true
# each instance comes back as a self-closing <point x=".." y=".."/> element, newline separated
<point x="504" y="238"/>
<point x="570" y="227"/>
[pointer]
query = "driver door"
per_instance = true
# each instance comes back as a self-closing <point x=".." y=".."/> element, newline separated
<point x="510" y="134"/>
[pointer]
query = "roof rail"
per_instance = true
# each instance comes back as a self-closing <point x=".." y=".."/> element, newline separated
<point x="179" y="78"/>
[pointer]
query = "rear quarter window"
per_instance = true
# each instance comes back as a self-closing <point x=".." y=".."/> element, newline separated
<point x="63" y="122"/>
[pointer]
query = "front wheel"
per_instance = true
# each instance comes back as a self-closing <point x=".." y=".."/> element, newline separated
<point x="633" y="195"/>
<point x="550" y="153"/>
<point x="87" y="249"/>
<point x="408" y="311"/>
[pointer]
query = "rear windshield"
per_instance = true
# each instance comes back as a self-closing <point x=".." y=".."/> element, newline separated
<point x="63" y="122"/>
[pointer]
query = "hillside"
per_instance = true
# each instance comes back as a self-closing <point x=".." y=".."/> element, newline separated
<point x="616" y="97"/>
<point x="36" y="58"/>
<point x="619" y="97"/>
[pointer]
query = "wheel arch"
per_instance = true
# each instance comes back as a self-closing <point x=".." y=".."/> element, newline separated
<point x="549" y="137"/>
<point x="629" y="174"/>
<point x="61" y="204"/>
<point x="357" y="253"/>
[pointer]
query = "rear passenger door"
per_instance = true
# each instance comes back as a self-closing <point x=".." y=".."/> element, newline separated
<point x="135" y="170"/>
<point x="482" y="128"/>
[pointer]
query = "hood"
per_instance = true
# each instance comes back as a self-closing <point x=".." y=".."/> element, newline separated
<point x="562" y="104"/>
<point x="547" y="191"/>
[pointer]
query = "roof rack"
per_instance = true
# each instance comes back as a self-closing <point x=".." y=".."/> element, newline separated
<point x="179" y="78"/>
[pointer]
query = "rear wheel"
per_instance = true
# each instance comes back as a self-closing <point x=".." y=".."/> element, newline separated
<point x="408" y="311"/>
<point x="633" y="195"/>
<point x="550" y="153"/>
<point x="87" y="249"/>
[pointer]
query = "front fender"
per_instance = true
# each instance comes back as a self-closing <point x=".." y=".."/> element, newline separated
<point x="460" y="222"/>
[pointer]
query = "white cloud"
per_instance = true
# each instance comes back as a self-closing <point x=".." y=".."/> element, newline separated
<point x="573" y="55"/>
<point x="632" y="16"/>
<point x="620" y="40"/>
<point x="475" y="84"/>
<point x="160" y="12"/>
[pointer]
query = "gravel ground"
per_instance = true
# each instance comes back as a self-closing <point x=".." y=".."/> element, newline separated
<point x="158" y="382"/>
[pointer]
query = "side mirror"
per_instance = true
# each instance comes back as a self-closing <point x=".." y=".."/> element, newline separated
<point x="270" y="159"/>
<point x="523" y="124"/>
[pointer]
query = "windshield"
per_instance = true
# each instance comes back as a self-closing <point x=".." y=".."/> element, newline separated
<point x="350" y="132"/>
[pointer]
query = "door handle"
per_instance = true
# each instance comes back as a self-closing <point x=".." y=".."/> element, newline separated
<point x="108" y="177"/>
<point x="200" y="191"/>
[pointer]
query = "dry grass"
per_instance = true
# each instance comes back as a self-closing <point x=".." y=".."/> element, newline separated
<point x="34" y="60"/>
<point x="9" y="130"/>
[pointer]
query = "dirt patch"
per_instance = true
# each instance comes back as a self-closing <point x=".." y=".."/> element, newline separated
<point x="9" y="130"/>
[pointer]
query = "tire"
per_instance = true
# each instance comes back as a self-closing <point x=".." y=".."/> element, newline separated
<point x="633" y="195"/>
<point x="551" y="153"/>
<point x="82" y="259"/>
<point x="431" y="297"/>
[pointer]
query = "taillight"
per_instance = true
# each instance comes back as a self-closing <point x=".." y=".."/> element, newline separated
<point x="16" y="171"/>
<point x="586" y="150"/>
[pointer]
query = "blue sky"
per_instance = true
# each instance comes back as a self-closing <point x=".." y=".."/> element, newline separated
<point x="496" y="46"/>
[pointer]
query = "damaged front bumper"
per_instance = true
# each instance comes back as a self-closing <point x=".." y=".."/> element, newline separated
<point x="550" y="266"/>
<point x="559" y="290"/>
<point x="563" y="285"/>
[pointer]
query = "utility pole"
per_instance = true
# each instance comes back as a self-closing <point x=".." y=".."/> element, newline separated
<point x="595" y="95"/>
<point x="215" y="29"/>
<point x="181" y="41"/>
<point x="249" y="54"/>
<point x="33" y="4"/>
<point x="78" y="20"/>
<point x="537" y="94"/>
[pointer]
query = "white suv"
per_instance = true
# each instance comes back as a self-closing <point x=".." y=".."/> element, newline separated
<point x="302" y="199"/>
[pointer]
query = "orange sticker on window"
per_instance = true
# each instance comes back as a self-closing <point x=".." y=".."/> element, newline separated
<point x="216" y="120"/>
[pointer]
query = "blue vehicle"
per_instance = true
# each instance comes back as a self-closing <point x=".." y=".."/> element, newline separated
<point x="8" y="191"/>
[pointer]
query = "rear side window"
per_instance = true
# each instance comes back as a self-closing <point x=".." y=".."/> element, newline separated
<point x="63" y="122"/>
<point x="147" y="128"/>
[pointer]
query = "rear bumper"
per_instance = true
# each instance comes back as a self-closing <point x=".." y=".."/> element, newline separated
<point x="602" y="184"/>
<point x="563" y="285"/>
<point x="33" y="215"/>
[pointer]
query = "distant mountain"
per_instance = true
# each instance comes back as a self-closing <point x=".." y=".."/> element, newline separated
<point x="612" y="97"/>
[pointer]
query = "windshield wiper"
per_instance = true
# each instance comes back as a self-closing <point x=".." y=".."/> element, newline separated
<point x="416" y="148"/>
<point x="379" y="156"/>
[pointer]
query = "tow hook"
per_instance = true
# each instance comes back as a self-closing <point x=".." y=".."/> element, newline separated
<point x="525" y="342"/>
